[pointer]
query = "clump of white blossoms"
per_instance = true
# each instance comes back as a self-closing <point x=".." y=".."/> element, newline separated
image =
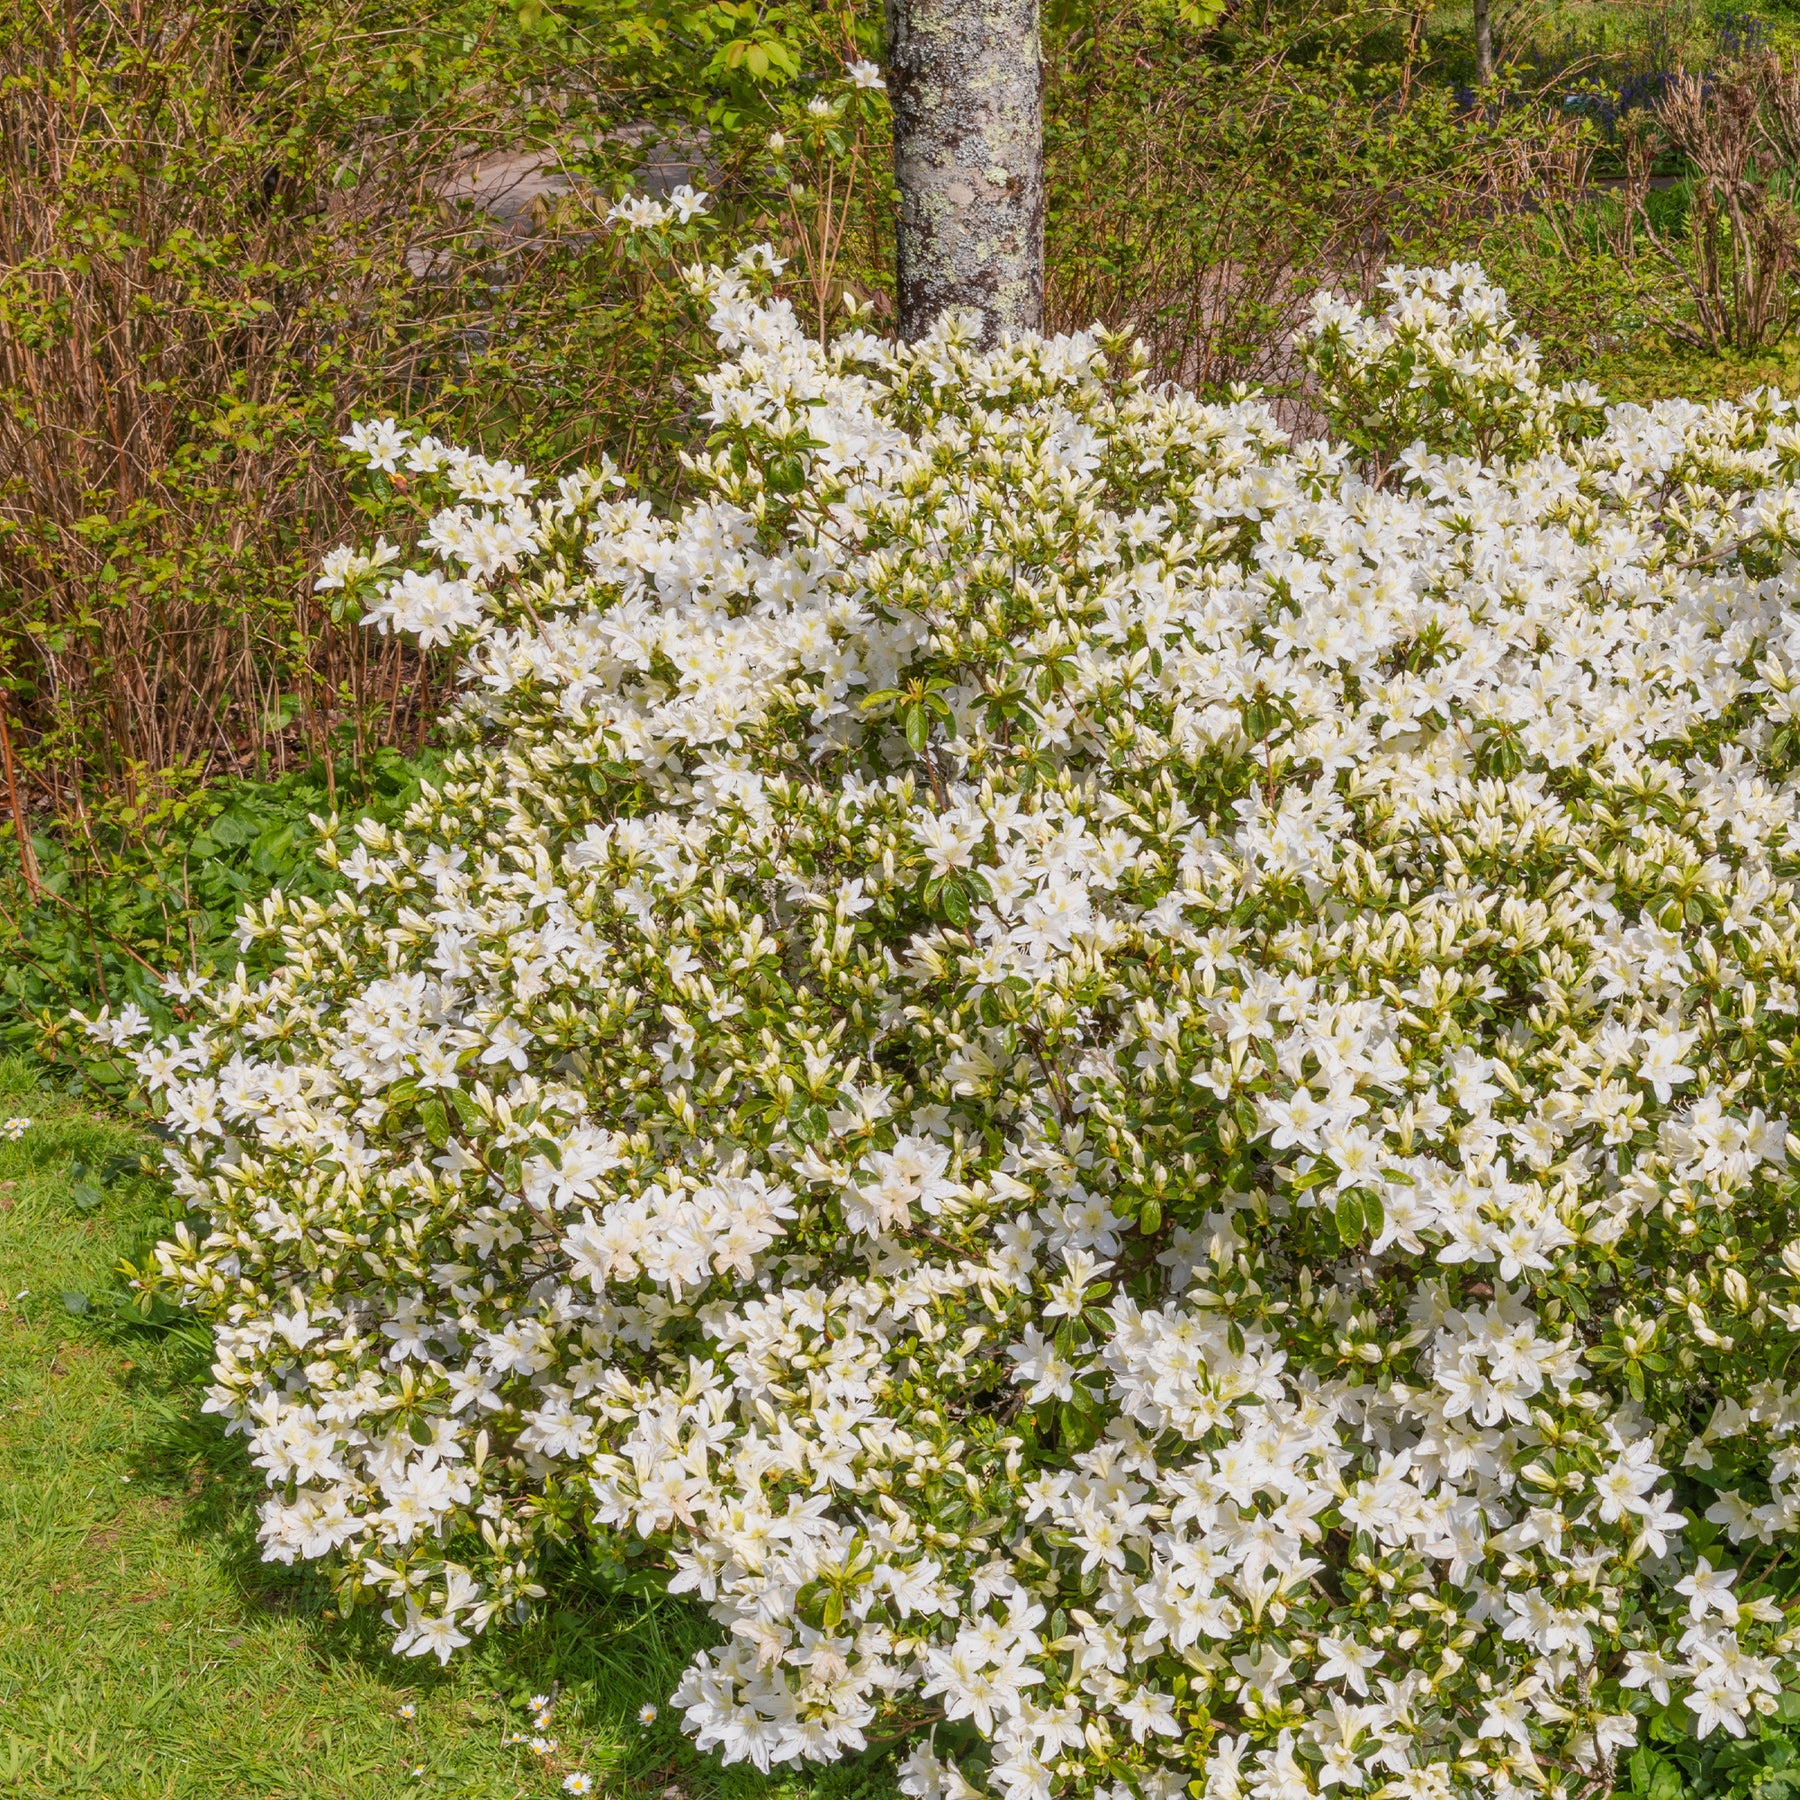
<point x="1119" y="1084"/>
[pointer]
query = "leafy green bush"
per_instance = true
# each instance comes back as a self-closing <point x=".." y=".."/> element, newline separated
<point x="1204" y="182"/>
<point x="224" y="237"/>
<point x="1122" y="1084"/>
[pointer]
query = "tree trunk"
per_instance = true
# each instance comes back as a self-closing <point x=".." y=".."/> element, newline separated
<point x="969" y="161"/>
<point x="1484" y="44"/>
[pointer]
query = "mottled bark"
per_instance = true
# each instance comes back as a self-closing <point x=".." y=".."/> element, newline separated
<point x="969" y="161"/>
<point x="1484" y="44"/>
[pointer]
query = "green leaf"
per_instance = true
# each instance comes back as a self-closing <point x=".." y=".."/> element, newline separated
<point x="75" y="1303"/>
<point x="1077" y="1429"/>
<point x="233" y="828"/>
<point x="918" y="728"/>
<point x="1349" y="1218"/>
<point x="435" y="1120"/>
<point x="786" y="475"/>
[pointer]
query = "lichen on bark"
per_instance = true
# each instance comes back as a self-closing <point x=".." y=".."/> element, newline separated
<point x="968" y="160"/>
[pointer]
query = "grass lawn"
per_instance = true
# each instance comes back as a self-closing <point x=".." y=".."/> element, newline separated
<point x="144" y="1649"/>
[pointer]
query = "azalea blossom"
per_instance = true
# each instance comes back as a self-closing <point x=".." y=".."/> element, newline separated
<point x="1087" y="1068"/>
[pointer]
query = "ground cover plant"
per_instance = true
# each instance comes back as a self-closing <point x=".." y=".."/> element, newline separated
<point x="1121" y="1085"/>
<point x="132" y="891"/>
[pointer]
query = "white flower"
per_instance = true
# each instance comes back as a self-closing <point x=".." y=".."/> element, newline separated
<point x="1713" y="1704"/>
<point x="344" y="565"/>
<point x="1216" y="1188"/>
<point x="1709" y="1591"/>
<point x="507" y="1042"/>
<point x="420" y="1636"/>
<point x="864" y="75"/>
<point x="380" y="442"/>
<point x="427" y="605"/>
<point x="638" y="212"/>
<point x="1342" y="1659"/>
<point x="1648" y="1669"/>
<point x="1662" y="1066"/>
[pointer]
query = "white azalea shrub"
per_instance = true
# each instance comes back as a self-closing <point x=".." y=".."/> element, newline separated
<point x="1120" y="1085"/>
